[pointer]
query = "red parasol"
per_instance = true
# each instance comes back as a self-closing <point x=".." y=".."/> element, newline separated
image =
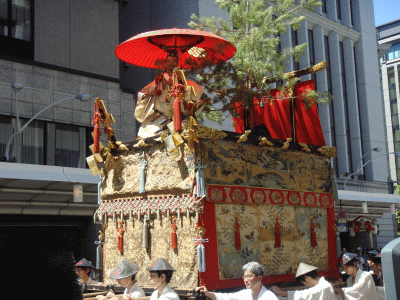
<point x="196" y="48"/>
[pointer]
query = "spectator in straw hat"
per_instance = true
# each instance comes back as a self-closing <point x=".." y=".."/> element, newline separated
<point x="125" y="274"/>
<point x="360" y="284"/>
<point x="83" y="270"/>
<point x="253" y="276"/>
<point x="160" y="275"/>
<point x="318" y="287"/>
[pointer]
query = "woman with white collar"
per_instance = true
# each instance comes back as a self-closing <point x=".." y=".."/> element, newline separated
<point x="125" y="274"/>
<point x="360" y="284"/>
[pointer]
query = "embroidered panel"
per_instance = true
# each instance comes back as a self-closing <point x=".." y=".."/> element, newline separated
<point x="249" y="195"/>
<point x="257" y="234"/>
<point x="183" y="259"/>
<point x="162" y="172"/>
<point x="231" y="163"/>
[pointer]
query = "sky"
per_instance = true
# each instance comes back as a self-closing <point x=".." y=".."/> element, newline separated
<point x="386" y="11"/>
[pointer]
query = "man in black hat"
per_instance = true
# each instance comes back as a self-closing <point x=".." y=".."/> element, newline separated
<point x="83" y="269"/>
<point x="160" y="275"/>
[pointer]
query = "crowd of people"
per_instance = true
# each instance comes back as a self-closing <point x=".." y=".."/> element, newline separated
<point x="361" y="278"/>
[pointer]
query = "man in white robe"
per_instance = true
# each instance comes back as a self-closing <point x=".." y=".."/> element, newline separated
<point x="319" y="288"/>
<point x="360" y="284"/>
<point x="253" y="276"/>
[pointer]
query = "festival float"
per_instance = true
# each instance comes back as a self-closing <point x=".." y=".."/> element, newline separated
<point x="208" y="200"/>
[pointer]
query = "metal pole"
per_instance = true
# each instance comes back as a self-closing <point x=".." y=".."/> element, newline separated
<point x="347" y="177"/>
<point x="82" y="97"/>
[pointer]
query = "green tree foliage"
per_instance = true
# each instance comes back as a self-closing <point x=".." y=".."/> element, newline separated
<point x="255" y="28"/>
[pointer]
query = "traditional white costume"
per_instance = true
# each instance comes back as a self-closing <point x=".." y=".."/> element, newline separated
<point x="151" y="110"/>
<point x="363" y="287"/>
<point x="167" y="294"/>
<point x="322" y="291"/>
<point x="246" y="294"/>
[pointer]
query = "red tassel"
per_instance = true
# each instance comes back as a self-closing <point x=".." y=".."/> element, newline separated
<point x="174" y="239"/>
<point x="368" y="226"/>
<point x="278" y="227"/>
<point x="120" y="238"/>
<point x="97" y="138"/>
<point x="238" y="243"/>
<point x="314" y="242"/>
<point x="177" y="115"/>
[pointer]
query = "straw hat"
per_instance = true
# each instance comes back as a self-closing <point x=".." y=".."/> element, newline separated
<point x="160" y="265"/>
<point x="304" y="269"/>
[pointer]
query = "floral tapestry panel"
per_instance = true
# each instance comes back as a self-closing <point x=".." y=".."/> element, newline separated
<point x="267" y="222"/>
<point x="183" y="259"/>
<point x="231" y="163"/>
<point x="278" y="260"/>
<point x="162" y="172"/>
<point x="231" y="259"/>
<point x="316" y="256"/>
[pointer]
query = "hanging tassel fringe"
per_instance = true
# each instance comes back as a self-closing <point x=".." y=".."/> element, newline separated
<point x="277" y="233"/>
<point x="145" y="233"/>
<point x="201" y="190"/>
<point x="120" y="237"/>
<point x="174" y="239"/>
<point x="142" y="188"/>
<point x="201" y="257"/>
<point x="314" y="242"/>
<point x="238" y="243"/>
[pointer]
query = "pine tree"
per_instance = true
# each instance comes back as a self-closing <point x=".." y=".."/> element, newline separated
<point x="254" y="27"/>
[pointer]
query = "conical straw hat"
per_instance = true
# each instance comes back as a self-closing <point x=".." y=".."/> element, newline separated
<point x="304" y="269"/>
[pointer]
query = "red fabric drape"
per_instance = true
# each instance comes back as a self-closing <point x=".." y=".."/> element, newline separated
<point x="275" y="115"/>
<point x="308" y="124"/>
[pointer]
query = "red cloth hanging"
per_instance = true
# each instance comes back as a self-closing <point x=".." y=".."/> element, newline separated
<point x="277" y="234"/>
<point x="357" y="227"/>
<point x="308" y="125"/>
<point x="174" y="239"/>
<point x="238" y="243"/>
<point x="275" y="115"/>
<point x="314" y="242"/>
<point x="120" y="238"/>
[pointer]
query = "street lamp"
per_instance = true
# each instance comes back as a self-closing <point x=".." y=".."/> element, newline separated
<point x="81" y="97"/>
<point x="359" y="169"/>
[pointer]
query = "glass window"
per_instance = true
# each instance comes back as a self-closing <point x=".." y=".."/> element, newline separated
<point x="15" y="19"/>
<point x="338" y="12"/>
<point x="312" y="54"/>
<point x="70" y="145"/>
<point x="324" y="6"/>
<point x="26" y="147"/>
<point x="295" y="42"/>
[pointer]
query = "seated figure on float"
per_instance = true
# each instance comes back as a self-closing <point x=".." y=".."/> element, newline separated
<point x="154" y="104"/>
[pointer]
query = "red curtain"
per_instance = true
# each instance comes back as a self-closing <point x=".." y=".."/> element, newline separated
<point x="275" y="115"/>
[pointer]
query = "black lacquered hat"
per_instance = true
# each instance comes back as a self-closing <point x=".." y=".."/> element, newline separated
<point x="84" y="263"/>
<point x="124" y="269"/>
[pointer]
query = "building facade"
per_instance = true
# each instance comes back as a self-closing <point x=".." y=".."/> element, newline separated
<point x="339" y="32"/>
<point x="56" y="50"/>
<point x="388" y="36"/>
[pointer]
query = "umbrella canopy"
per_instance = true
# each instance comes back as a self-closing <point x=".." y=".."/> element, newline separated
<point x="196" y="48"/>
